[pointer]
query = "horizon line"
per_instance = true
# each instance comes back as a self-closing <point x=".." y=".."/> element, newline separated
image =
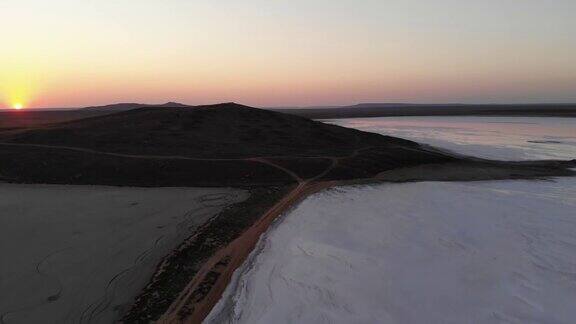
<point x="326" y="106"/>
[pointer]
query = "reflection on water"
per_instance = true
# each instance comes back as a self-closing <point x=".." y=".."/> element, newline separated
<point x="506" y="138"/>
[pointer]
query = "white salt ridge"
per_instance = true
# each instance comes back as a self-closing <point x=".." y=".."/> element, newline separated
<point x="430" y="252"/>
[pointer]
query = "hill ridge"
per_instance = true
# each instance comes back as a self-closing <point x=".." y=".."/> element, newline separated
<point x="217" y="145"/>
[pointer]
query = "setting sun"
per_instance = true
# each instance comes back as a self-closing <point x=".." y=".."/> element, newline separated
<point x="17" y="106"/>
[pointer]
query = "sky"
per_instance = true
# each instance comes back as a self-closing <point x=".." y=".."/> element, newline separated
<point x="72" y="53"/>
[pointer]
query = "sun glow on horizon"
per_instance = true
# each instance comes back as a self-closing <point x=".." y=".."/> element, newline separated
<point x="17" y="92"/>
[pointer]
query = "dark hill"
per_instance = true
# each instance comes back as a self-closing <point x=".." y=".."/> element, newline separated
<point x="221" y="145"/>
<point x="217" y="131"/>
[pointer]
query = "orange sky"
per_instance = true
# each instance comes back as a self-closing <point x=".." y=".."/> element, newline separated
<point x="69" y="53"/>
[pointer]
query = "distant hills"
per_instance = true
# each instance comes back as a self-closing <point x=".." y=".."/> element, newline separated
<point x="30" y="118"/>
<point x="130" y="106"/>
<point x="389" y="109"/>
<point x="408" y="109"/>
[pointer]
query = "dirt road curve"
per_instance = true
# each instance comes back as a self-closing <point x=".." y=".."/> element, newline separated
<point x="206" y="288"/>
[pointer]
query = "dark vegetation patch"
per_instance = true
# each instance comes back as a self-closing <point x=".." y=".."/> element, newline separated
<point x="545" y="142"/>
<point x="372" y="161"/>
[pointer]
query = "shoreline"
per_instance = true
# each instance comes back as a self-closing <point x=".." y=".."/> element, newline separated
<point x="174" y="271"/>
<point x="197" y="300"/>
<point x="203" y="289"/>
